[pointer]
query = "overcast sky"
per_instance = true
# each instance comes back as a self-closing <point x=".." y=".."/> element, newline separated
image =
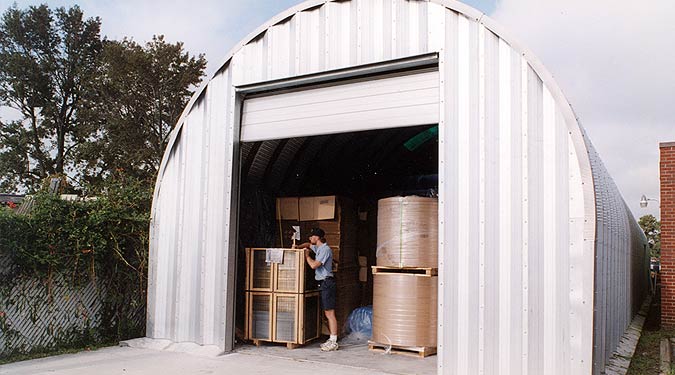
<point x="614" y="60"/>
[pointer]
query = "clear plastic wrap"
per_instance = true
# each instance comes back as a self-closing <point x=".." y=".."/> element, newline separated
<point x="360" y="320"/>
<point x="407" y="232"/>
<point x="358" y="327"/>
<point x="405" y="309"/>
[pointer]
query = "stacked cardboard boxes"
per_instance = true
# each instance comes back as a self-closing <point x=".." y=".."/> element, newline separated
<point x="337" y="216"/>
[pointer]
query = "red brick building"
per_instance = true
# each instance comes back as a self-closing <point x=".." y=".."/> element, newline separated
<point x="667" y="166"/>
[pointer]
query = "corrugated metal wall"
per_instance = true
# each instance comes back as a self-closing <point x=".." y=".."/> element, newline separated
<point x="517" y="277"/>
<point x="622" y="273"/>
<point x="191" y="267"/>
<point x="517" y="197"/>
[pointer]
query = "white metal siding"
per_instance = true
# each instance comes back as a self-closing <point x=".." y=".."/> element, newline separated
<point x="365" y="105"/>
<point x="518" y="185"/>
<point x="189" y="275"/>
<point x="510" y="231"/>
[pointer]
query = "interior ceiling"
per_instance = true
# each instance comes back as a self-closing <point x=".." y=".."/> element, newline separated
<point x="346" y="163"/>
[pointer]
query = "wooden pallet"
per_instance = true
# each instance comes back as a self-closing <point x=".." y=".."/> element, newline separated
<point x="289" y="345"/>
<point x="411" y="351"/>
<point x="411" y="270"/>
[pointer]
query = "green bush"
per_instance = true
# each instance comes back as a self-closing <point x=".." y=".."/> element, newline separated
<point x="104" y="241"/>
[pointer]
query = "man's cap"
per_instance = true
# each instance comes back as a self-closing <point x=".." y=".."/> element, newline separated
<point x="317" y="232"/>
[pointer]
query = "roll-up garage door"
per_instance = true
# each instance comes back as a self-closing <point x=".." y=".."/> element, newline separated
<point x="394" y="100"/>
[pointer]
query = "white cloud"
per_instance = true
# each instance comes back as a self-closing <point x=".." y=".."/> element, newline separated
<point x="212" y="27"/>
<point x="614" y="61"/>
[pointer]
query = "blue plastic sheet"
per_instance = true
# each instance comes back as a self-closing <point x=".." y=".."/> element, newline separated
<point x="360" y="322"/>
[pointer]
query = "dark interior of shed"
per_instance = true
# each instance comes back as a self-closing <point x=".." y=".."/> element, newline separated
<point x="363" y="166"/>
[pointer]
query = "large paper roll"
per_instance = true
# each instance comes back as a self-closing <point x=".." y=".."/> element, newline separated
<point x="405" y="309"/>
<point x="407" y="232"/>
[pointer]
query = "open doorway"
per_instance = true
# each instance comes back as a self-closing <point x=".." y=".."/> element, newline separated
<point x="358" y="168"/>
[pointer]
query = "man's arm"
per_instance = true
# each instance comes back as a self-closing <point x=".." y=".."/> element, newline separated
<point x="305" y="245"/>
<point x="312" y="262"/>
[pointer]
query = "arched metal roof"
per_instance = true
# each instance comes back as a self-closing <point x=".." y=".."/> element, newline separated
<point x="456" y="6"/>
<point x="594" y="235"/>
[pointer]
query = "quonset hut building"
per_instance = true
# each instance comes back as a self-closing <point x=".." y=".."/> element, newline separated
<point x="541" y="264"/>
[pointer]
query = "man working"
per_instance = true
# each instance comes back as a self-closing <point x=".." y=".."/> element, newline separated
<point x="323" y="267"/>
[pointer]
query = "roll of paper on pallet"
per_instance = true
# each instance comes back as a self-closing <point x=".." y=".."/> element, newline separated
<point x="407" y="232"/>
<point x="405" y="309"/>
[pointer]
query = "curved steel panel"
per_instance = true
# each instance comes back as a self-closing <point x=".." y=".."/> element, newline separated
<point x="521" y="191"/>
<point x="622" y="259"/>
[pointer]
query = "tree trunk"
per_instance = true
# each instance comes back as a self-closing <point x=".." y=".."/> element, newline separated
<point x="61" y="146"/>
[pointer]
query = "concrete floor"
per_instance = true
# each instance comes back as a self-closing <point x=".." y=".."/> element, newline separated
<point x="248" y="359"/>
<point x="350" y="354"/>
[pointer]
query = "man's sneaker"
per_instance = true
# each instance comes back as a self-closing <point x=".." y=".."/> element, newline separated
<point x="326" y="343"/>
<point x="329" y="346"/>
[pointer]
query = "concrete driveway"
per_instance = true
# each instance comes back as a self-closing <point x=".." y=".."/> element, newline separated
<point x="132" y="361"/>
<point x="148" y="356"/>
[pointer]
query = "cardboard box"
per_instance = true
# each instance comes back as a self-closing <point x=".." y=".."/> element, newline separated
<point x="317" y="208"/>
<point x="329" y="226"/>
<point x="333" y="240"/>
<point x="287" y="209"/>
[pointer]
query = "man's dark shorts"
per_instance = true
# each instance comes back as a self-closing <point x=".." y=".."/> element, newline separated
<point x="328" y="289"/>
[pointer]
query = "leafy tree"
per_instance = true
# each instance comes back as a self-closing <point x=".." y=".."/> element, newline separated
<point x="652" y="229"/>
<point x="142" y="94"/>
<point x="48" y="63"/>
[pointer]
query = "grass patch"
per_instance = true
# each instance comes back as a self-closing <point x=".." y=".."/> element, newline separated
<point x="647" y="357"/>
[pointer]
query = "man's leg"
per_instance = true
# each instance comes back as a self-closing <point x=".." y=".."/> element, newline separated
<point x="328" y="299"/>
<point x="332" y="322"/>
<point x="331" y="344"/>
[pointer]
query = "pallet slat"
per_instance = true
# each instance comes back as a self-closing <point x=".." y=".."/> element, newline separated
<point x="412" y="351"/>
<point x="411" y="270"/>
<point x="289" y="345"/>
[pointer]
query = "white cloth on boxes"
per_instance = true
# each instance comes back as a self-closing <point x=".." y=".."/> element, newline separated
<point x="274" y="255"/>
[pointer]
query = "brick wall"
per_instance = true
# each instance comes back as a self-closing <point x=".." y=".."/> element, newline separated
<point x="667" y="167"/>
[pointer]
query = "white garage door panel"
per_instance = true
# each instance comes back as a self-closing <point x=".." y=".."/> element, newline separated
<point x="317" y="110"/>
<point x="399" y="101"/>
